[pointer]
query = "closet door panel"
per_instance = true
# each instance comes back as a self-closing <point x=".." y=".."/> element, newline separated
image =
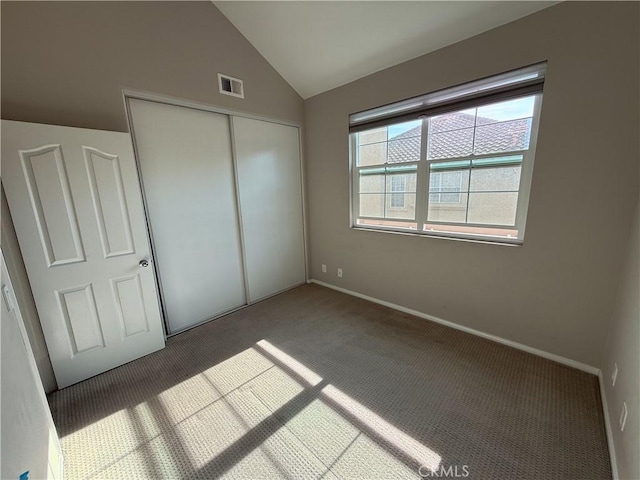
<point x="187" y="174"/>
<point x="270" y="191"/>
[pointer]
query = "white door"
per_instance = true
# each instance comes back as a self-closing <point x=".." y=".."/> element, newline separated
<point x="187" y="174"/>
<point x="75" y="201"/>
<point x="270" y="190"/>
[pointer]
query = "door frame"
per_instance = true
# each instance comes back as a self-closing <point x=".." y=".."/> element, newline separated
<point x="128" y="94"/>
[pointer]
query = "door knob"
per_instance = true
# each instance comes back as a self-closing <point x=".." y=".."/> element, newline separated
<point x="144" y="263"/>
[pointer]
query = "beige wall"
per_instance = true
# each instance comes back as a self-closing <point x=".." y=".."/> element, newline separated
<point x="556" y="292"/>
<point x="65" y="63"/>
<point x="623" y="348"/>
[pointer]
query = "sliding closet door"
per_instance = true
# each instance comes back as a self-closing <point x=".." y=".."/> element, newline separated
<point x="187" y="175"/>
<point x="269" y="187"/>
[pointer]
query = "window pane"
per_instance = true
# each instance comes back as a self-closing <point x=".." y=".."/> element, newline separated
<point x="373" y="154"/>
<point x="372" y="204"/>
<point x="397" y="186"/>
<point x="457" y="143"/>
<point x="398" y="182"/>
<point x="453" y="121"/>
<point x="449" y="181"/>
<point x="393" y="144"/>
<point x="372" y="183"/>
<point x="404" y="150"/>
<point x="493" y="208"/>
<point x="397" y="200"/>
<point x="452" y="197"/>
<point x="405" y="182"/>
<point x="503" y="137"/>
<point x="448" y="186"/>
<point x="406" y="208"/>
<point x="376" y="135"/>
<point x="401" y="197"/>
<point x="447" y="212"/>
<point x="405" y="130"/>
<point x="503" y="111"/>
<point x="495" y="179"/>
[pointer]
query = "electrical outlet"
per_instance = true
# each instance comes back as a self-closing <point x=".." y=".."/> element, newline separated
<point x="324" y="268"/>
<point x="623" y="416"/>
<point x="340" y="273"/>
<point x="614" y="375"/>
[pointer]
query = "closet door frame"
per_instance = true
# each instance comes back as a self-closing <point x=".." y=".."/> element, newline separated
<point x="179" y="102"/>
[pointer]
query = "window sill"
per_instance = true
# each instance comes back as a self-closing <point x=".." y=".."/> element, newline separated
<point x="442" y="236"/>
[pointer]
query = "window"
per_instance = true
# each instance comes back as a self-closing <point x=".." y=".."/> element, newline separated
<point x="398" y="185"/>
<point x="455" y="163"/>
<point x="445" y="187"/>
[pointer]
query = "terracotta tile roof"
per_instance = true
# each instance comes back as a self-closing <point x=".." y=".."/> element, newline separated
<point x="405" y="147"/>
<point x="452" y="135"/>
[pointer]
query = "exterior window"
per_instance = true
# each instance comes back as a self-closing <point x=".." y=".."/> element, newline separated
<point x="398" y="186"/>
<point x="445" y="187"/>
<point x="463" y="173"/>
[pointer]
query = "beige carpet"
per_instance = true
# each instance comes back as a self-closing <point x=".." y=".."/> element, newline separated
<point x="317" y="384"/>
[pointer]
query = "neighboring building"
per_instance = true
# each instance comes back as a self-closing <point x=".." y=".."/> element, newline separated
<point x="494" y="191"/>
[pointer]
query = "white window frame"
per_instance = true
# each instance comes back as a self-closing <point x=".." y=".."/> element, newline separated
<point x="422" y="194"/>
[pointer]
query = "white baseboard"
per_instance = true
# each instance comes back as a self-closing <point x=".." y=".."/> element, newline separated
<point x="540" y="353"/>
<point x="607" y="426"/>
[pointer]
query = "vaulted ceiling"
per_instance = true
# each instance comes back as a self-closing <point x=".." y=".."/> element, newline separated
<point x="317" y="46"/>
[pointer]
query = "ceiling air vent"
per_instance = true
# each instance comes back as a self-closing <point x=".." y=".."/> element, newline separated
<point x="230" y="86"/>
